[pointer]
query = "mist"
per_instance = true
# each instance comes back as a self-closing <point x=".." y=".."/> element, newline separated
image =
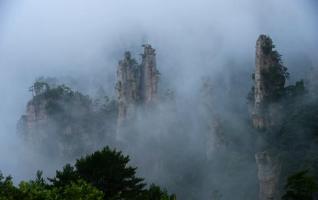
<point x="83" y="40"/>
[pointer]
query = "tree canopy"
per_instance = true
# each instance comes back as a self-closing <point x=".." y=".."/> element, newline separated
<point x="300" y="186"/>
<point x="103" y="175"/>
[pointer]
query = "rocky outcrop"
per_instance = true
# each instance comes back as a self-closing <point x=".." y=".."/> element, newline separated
<point x="269" y="168"/>
<point x="266" y="111"/>
<point x="127" y="87"/>
<point x="36" y="116"/>
<point x="64" y="122"/>
<point x="136" y="84"/>
<point x="149" y="75"/>
<point x="269" y="79"/>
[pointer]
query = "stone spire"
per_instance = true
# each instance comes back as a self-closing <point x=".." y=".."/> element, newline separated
<point x="127" y="86"/>
<point x="269" y="169"/>
<point x="136" y="84"/>
<point x="269" y="79"/>
<point x="149" y="78"/>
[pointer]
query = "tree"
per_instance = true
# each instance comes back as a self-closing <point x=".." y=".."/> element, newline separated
<point x="66" y="118"/>
<point x="276" y="74"/>
<point x="81" y="190"/>
<point x="64" y="177"/>
<point x="108" y="170"/>
<point x="102" y="175"/>
<point x="156" y="193"/>
<point x="36" y="189"/>
<point x="7" y="190"/>
<point x="300" y="186"/>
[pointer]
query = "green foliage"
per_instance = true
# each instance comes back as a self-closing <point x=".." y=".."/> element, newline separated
<point x="39" y="87"/>
<point x="128" y="58"/>
<point x="67" y="118"/>
<point x="268" y="48"/>
<point x="298" y="137"/>
<point x="293" y="134"/>
<point x="64" y="177"/>
<point x="300" y="186"/>
<point x="156" y="193"/>
<point x="102" y="175"/>
<point x="294" y="91"/>
<point x="80" y="190"/>
<point x="35" y="191"/>
<point x="63" y="99"/>
<point x="7" y="190"/>
<point x="275" y="81"/>
<point x="267" y="44"/>
<point x="108" y="170"/>
<point x="275" y="77"/>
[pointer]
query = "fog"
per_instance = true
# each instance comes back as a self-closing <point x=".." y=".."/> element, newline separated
<point x="83" y="40"/>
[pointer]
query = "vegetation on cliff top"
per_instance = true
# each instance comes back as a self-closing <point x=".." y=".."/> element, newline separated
<point x="66" y="117"/>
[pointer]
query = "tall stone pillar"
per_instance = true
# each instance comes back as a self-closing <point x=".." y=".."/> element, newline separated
<point x="269" y="83"/>
<point x="136" y="84"/>
<point x="127" y="87"/>
<point x="269" y="168"/>
<point x="150" y="74"/>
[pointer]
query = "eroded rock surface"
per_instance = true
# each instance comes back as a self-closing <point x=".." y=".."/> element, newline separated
<point x="269" y="81"/>
<point x="136" y="84"/>
<point x="269" y="168"/>
<point x="266" y="111"/>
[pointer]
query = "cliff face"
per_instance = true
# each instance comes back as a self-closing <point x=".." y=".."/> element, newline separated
<point x="269" y="169"/>
<point x="64" y="122"/>
<point x="136" y="84"/>
<point x="127" y="87"/>
<point x="36" y="114"/>
<point x="33" y="122"/>
<point x="269" y="81"/>
<point x="149" y="75"/>
<point x="266" y="111"/>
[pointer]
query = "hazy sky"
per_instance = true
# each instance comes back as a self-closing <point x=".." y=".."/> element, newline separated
<point x="86" y="38"/>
